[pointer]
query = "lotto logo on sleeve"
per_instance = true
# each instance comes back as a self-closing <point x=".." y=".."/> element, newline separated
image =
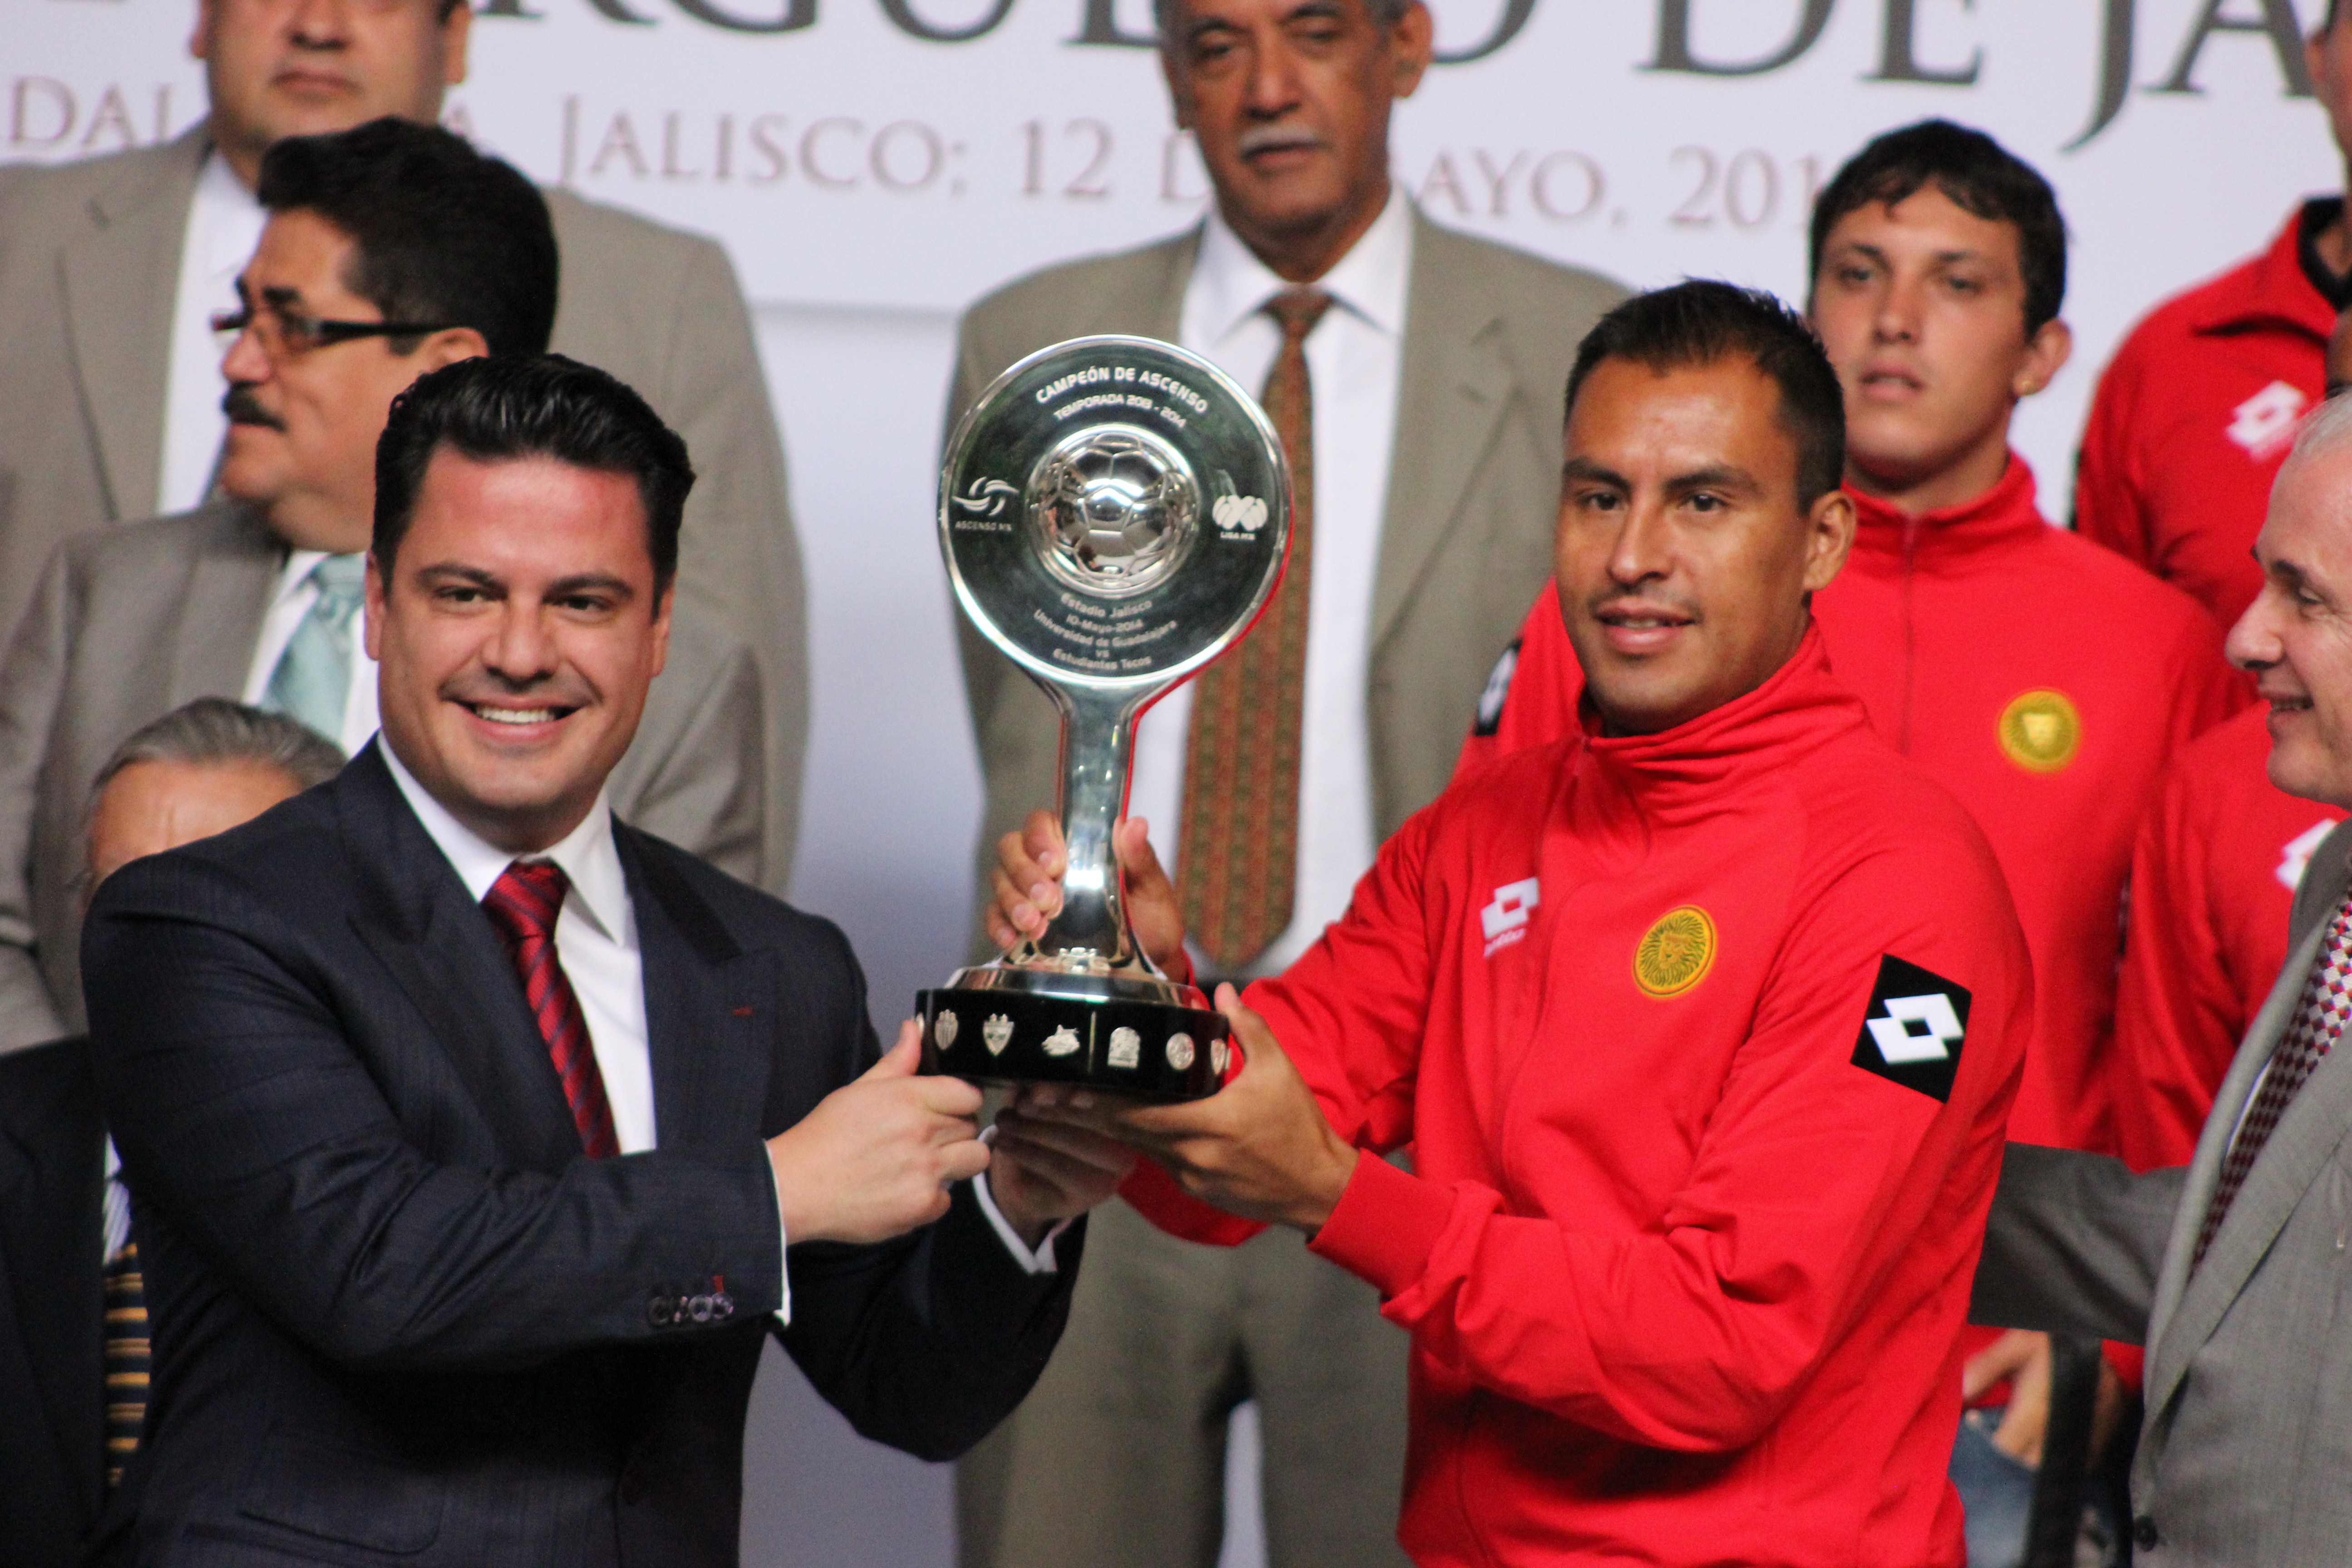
<point x="1913" y="1029"/>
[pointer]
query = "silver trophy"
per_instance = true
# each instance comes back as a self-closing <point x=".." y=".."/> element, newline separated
<point x="1114" y="512"/>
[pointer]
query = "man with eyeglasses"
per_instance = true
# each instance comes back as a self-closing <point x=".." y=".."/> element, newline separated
<point x="389" y="250"/>
<point x="110" y="267"/>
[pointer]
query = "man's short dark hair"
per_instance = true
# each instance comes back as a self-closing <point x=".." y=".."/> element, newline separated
<point x="530" y="405"/>
<point x="445" y="234"/>
<point x="1980" y="176"/>
<point x="1703" y="322"/>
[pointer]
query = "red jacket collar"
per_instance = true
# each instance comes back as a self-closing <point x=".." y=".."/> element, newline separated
<point x="1798" y="710"/>
<point x="2271" y="290"/>
<point x="1888" y="539"/>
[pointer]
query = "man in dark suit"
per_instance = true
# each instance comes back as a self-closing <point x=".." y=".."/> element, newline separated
<point x="470" y="1126"/>
<point x="64" y="1212"/>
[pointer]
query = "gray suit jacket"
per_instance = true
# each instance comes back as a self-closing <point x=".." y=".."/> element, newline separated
<point x="89" y="256"/>
<point x="128" y="623"/>
<point x="2247" y="1446"/>
<point x="1473" y="491"/>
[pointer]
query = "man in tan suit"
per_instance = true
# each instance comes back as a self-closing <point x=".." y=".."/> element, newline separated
<point x="239" y="598"/>
<point x="109" y="390"/>
<point x="1417" y="374"/>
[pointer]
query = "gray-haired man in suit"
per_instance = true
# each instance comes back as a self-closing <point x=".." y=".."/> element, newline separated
<point x="1416" y="374"/>
<point x="256" y="595"/>
<point x="2233" y="1269"/>
<point x="109" y="392"/>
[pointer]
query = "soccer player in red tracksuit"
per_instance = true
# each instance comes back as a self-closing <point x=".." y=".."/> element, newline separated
<point x="1701" y="1023"/>
<point x="2046" y="682"/>
<point x="2212" y="879"/>
<point x="2197" y="410"/>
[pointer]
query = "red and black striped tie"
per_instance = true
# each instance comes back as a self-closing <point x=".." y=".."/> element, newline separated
<point x="523" y="903"/>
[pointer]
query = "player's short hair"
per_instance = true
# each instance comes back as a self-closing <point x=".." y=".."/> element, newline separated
<point x="1387" y="13"/>
<point x="2329" y="427"/>
<point x="213" y="732"/>
<point x="1702" y="321"/>
<point x="1980" y="176"/>
<point x="445" y="234"/>
<point x="530" y="405"/>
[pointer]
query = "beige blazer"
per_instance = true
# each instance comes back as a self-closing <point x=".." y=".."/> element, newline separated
<point x="130" y="623"/>
<point x="1472" y="494"/>
<point x="89" y="257"/>
<point x="2246" y="1449"/>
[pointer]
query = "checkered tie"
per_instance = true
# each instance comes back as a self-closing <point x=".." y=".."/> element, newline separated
<point x="523" y="904"/>
<point x="2318" y="1020"/>
<point x="1237" y="862"/>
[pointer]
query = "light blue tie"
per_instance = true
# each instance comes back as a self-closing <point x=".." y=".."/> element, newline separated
<point x="312" y="682"/>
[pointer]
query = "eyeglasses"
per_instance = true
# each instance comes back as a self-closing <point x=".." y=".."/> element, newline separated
<point x="290" y="334"/>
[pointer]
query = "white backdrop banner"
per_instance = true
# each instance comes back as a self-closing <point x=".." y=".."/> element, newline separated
<point x="913" y="152"/>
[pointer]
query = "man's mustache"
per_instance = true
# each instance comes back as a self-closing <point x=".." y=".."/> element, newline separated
<point x="243" y="408"/>
<point x="1268" y="138"/>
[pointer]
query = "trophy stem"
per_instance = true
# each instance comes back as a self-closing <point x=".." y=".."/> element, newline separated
<point x="1098" y="738"/>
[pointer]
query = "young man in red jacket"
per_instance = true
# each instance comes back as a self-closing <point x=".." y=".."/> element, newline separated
<point x="2213" y="881"/>
<point x="1702" y="1024"/>
<point x="2197" y="410"/>
<point x="2041" y="679"/>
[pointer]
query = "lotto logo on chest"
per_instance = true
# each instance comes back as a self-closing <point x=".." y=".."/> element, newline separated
<point x="1505" y="920"/>
<point x="2264" y="424"/>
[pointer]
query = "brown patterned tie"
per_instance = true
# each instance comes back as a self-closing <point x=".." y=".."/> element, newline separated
<point x="1237" y="862"/>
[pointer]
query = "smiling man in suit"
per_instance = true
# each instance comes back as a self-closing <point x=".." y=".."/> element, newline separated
<point x="2231" y="1270"/>
<point x="110" y="266"/>
<point x="1414" y="374"/>
<point x="470" y="1127"/>
<point x="73" y="1335"/>
<point x="256" y="595"/>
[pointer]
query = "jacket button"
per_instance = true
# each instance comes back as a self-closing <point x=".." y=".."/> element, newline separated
<point x="2144" y="1535"/>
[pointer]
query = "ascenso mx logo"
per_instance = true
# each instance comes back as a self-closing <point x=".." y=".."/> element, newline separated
<point x="1914" y="1028"/>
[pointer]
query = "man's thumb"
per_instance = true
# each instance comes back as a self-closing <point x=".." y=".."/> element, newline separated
<point x="901" y="1060"/>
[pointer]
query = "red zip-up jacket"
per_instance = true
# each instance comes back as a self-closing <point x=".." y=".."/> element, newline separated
<point x="2212" y="880"/>
<point x="1704" y="1042"/>
<point x="2195" y="414"/>
<point x="2046" y="683"/>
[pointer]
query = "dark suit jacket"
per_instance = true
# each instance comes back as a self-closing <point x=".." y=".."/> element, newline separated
<point x="397" y="1317"/>
<point x="52" y="1227"/>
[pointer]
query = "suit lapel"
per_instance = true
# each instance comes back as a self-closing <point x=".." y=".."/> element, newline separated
<point x="118" y="278"/>
<point x="1456" y="384"/>
<point x="2190" y="1308"/>
<point x="416" y="917"/>
<point x="228" y="596"/>
<point x="704" y="1001"/>
<point x="54" y="1210"/>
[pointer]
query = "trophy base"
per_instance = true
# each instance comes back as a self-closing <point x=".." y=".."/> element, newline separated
<point x="1139" y="1035"/>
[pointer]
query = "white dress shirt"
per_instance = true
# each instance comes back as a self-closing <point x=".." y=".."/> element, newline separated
<point x="224" y="227"/>
<point x="597" y="944"/>
<point x="1354" y="361"/>
<point x="294" y="595"/>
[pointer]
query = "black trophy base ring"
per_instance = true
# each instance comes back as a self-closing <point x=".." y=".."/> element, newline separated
<point x="1147" y="1050"/>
